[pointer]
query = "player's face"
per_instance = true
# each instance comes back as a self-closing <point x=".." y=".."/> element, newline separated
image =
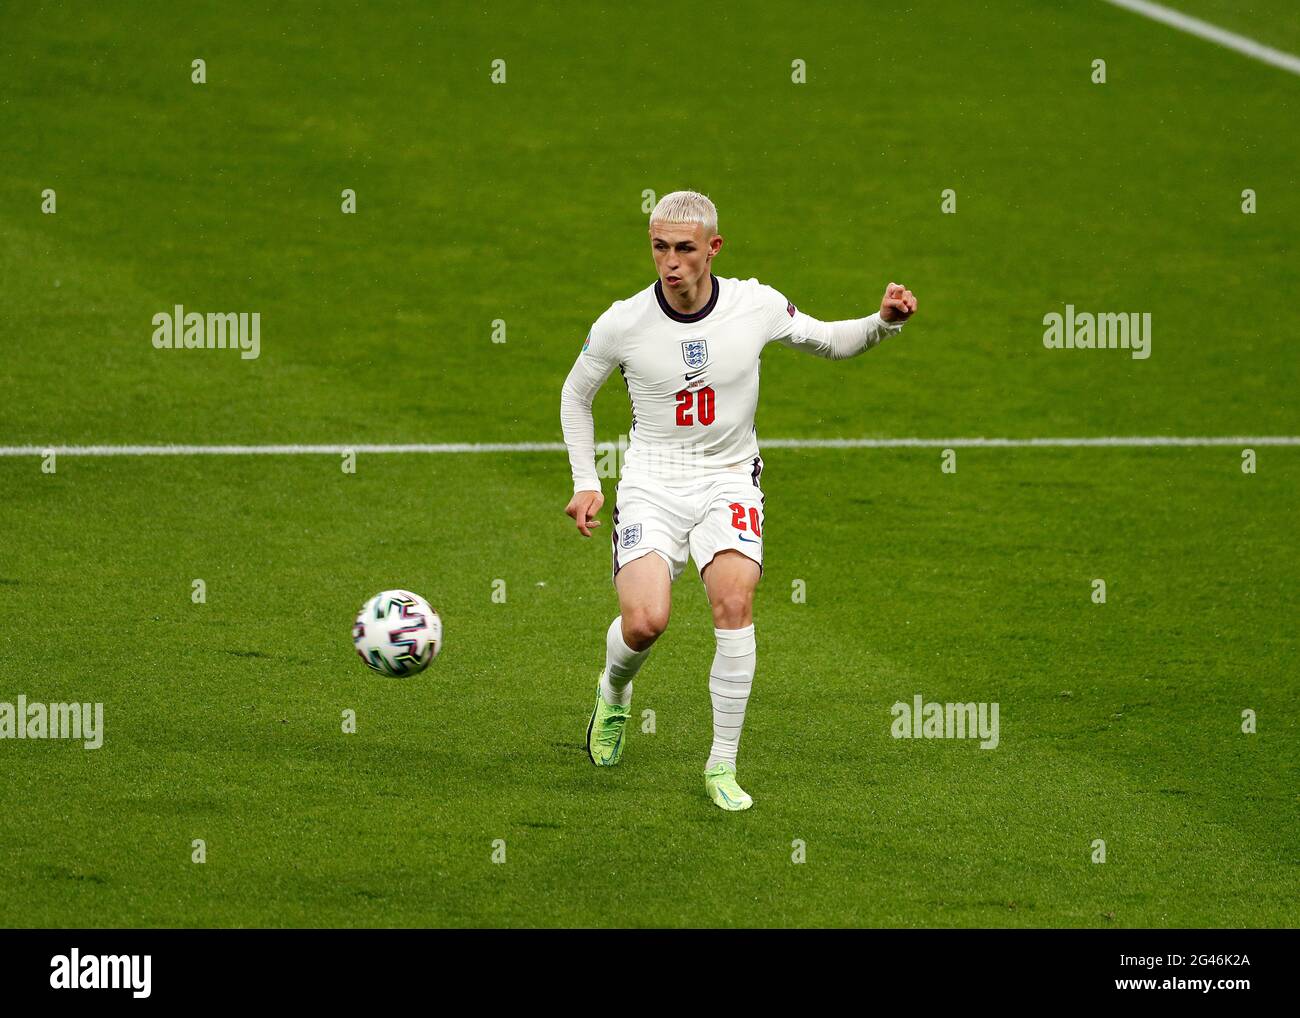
<point x="682" y="252"/>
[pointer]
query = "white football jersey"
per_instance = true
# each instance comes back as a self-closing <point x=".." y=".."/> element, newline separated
<point x="692" y="379"/>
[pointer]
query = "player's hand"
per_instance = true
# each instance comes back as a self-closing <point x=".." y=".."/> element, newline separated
<point x="583" y="508"/>
<point x="898" y="304"/>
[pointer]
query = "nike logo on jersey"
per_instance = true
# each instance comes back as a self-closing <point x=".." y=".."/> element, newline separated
<point x="696" y="375"/>
<point x="751" y="540"/>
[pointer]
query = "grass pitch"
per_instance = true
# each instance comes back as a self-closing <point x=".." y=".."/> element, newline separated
<point x="521" y="202"/>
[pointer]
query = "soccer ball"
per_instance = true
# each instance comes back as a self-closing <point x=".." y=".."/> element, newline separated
<point x="397" y="633"/>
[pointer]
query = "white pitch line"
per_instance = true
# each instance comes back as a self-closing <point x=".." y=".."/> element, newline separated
<point x="1112" y="441"/>
<point x="1108" y="441"/>
<point x="1195" y="26"/>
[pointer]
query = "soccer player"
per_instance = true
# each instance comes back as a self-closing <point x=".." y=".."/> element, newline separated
<point x="688" y="348"/>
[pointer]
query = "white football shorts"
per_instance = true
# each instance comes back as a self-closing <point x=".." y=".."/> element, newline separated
<point x="696" y="518"/>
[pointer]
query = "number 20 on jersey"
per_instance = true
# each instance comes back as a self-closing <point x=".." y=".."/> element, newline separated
<point x="694" y="405"/>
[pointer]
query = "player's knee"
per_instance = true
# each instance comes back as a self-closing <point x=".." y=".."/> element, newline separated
<point x="732" y="609"/>
<point x="643" y="626"/>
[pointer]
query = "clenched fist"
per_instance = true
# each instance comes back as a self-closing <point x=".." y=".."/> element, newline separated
<point x="898" y="304"/>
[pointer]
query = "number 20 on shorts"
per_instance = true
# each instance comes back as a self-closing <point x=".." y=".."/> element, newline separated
<point x="738" y="512"/>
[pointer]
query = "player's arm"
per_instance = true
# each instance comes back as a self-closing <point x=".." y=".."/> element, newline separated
<point x="848" y="338"/>
<point x="594" y="365"/>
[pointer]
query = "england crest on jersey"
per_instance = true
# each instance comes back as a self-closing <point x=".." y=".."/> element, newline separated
<point x="631" y="535"/>
<point x="695" y="352"/>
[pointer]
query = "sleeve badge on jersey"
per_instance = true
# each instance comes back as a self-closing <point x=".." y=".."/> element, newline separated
<point x="790" y="309"/>
<point x="586" y="343"/>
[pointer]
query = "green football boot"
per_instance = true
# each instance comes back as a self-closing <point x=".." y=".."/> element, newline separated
<point x="720" y="784"/>
<point x="605" y="731"/>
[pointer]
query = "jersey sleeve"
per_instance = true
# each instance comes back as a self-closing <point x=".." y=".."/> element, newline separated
<point x="596" y="362"/>
<point x="779" y="314"/>
<point x="787" y="325"/>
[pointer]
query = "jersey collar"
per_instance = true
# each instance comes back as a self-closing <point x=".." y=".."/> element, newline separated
<point x="677" y="316"/>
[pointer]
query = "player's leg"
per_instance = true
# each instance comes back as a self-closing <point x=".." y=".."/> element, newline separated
<point x="644" y="604"/>
<point x="730" y="580"/>
<point x="644" y="599"/>
<point x="650" y="550"/>
<point x="729" y="545"/>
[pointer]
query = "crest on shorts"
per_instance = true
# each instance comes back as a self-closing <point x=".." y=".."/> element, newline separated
<point x="695" y="352"/>
<point x="631" y="534"/>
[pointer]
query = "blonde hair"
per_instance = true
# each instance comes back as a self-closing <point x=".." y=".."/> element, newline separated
<point x="686" y="207"/>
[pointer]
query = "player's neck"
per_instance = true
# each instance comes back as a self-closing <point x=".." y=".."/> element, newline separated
<point x="687" y="303"/>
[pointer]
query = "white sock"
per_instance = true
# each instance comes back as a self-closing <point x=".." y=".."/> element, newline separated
<point x="621" y="663"/>
<point x="730" y="679"/>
